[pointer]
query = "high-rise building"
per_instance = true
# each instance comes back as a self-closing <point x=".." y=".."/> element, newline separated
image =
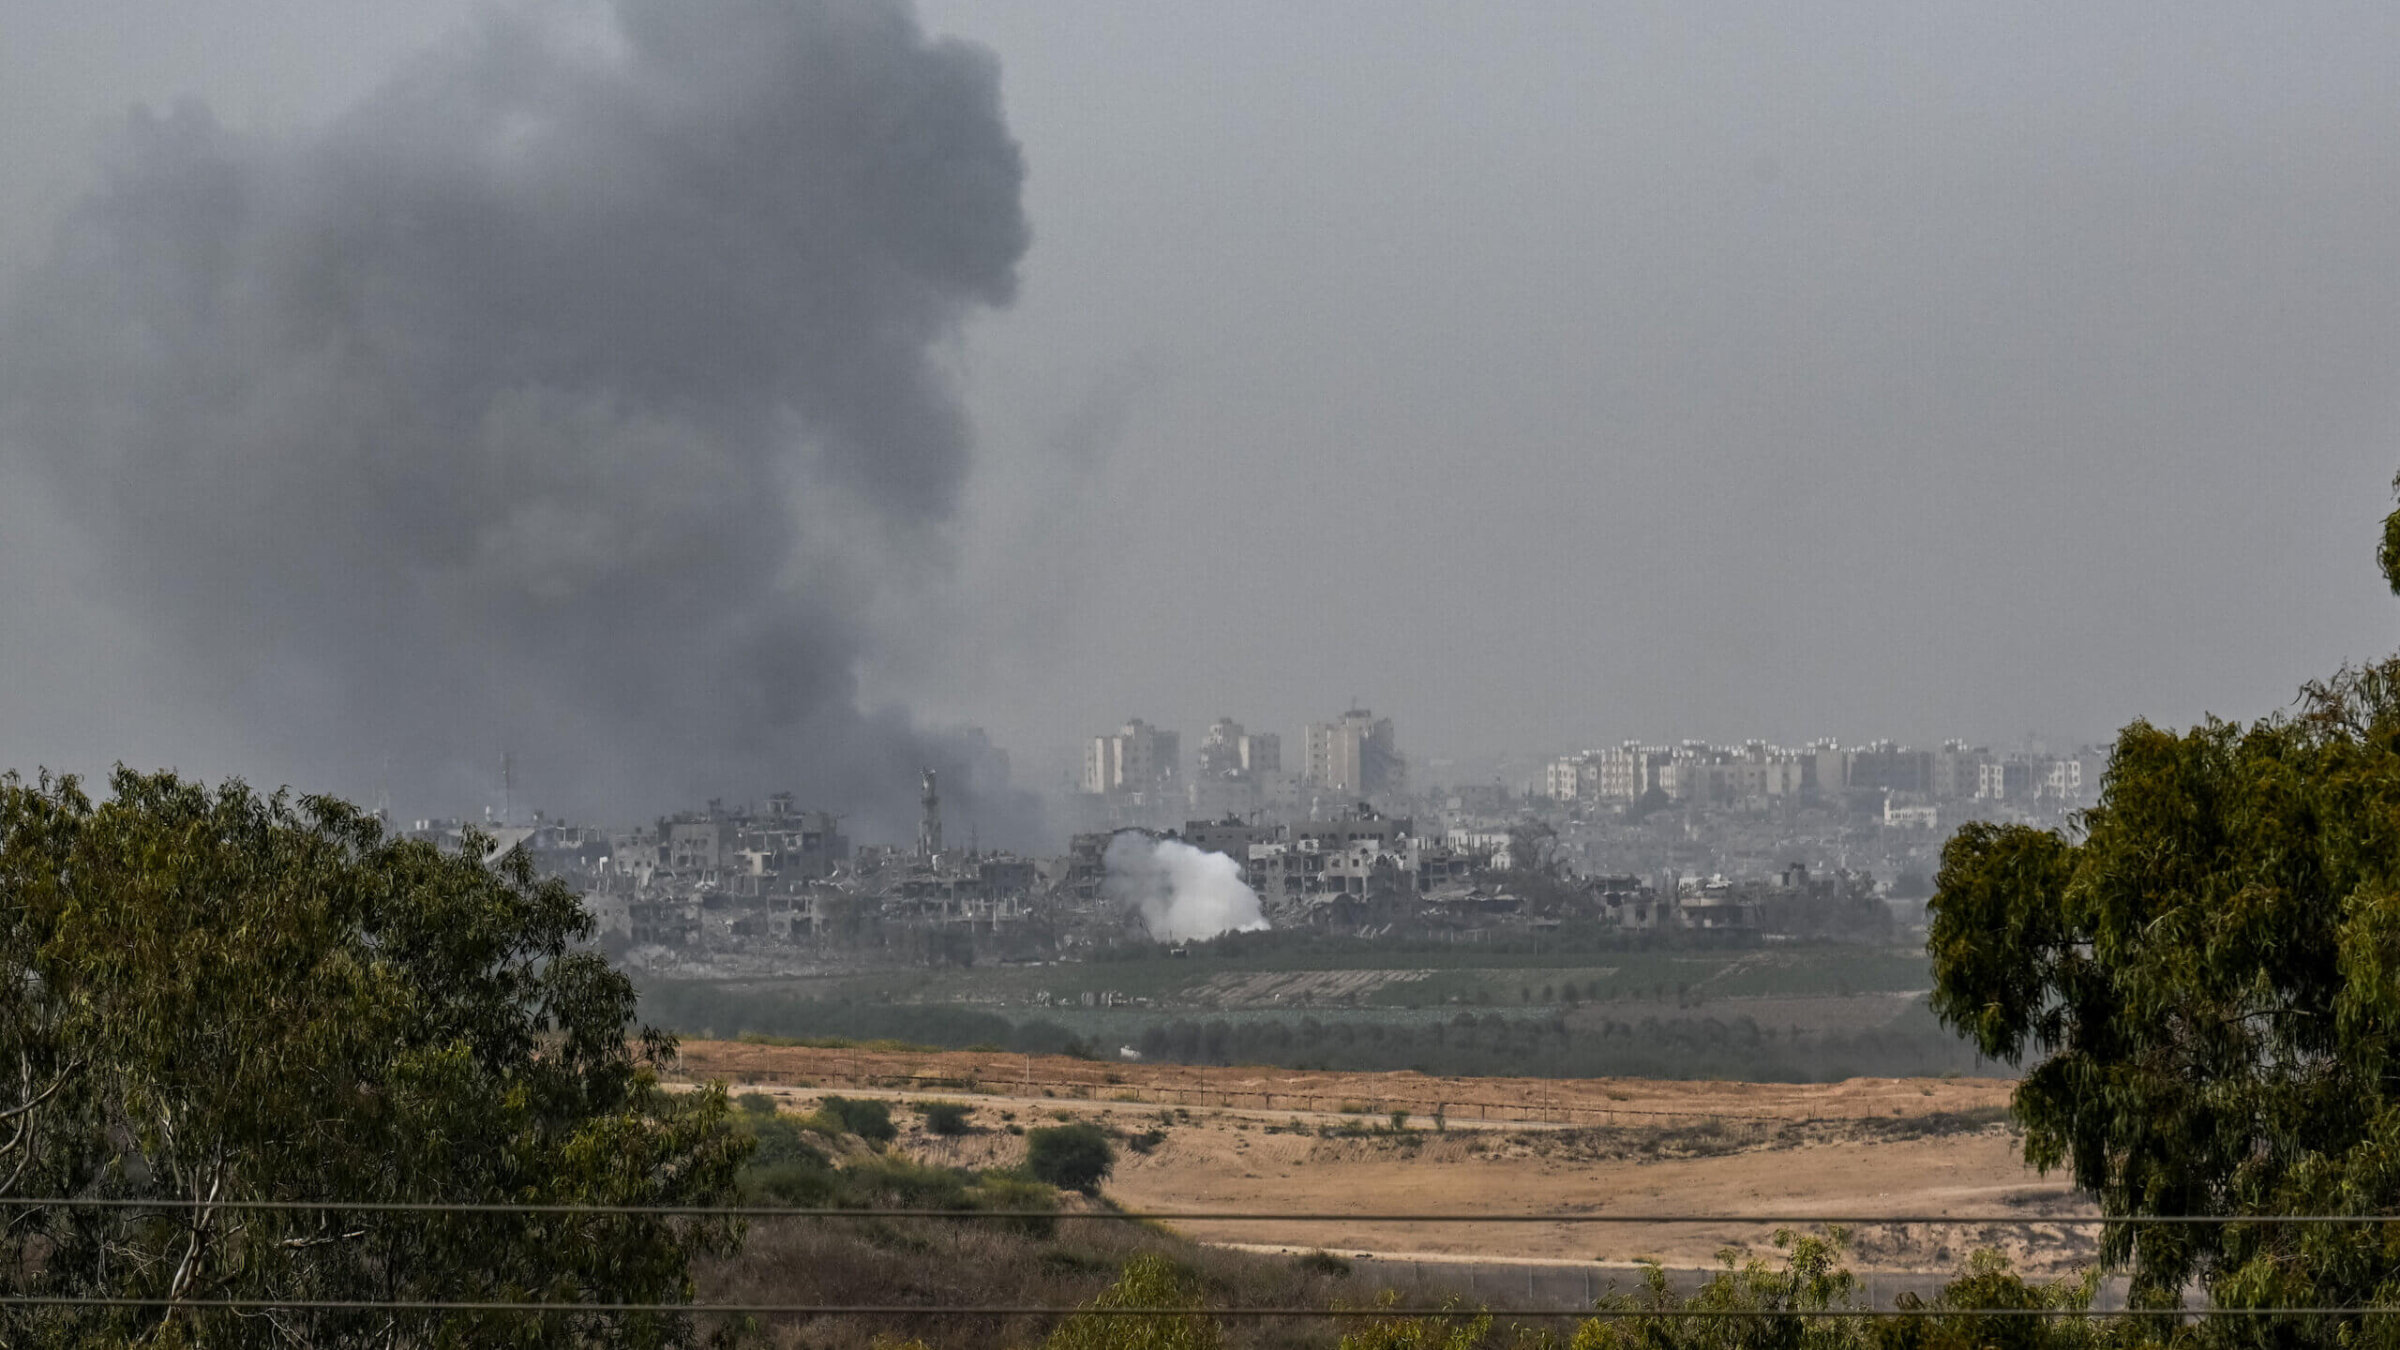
<point x="1220" y="750"/>
<point x="1231" y="752"/>
<point x="1136" y="758"/>
<point x="1262" y="754"/>
<point x="1356" y="753"/>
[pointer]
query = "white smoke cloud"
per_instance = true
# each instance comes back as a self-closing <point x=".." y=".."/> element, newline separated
<point x="1181" y="891"/>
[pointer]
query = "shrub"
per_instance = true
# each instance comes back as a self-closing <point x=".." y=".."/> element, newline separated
<point x="945" y="1117"/>
<point x="1005" y="1191"/>
<point x="755" y="1104"/>
<point x="805" y="1182"/>
<point x="869" y="1120"/>
<point x="1149" y="1281"/>
<point x="897" y="1182"/>
<point x="781" y="1139"/>
<point x="1070" y="1157"/>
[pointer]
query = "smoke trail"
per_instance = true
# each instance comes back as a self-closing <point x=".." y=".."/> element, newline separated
<point x="1181" y="891"/>
<point x="571" y="391"/>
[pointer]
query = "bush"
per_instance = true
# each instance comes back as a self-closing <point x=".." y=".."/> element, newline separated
<point x="897" y="1182"/>
<point x="781" y="1139"/>
<point x="1070" y="1157"/>
<point x="946" y="1117"/>
<point x="1007" y="1191"/>
<point x="869" y="1120"/>
<point x="805" y="1182"/>
<point x="1149" y="1281"/>
<point x="755" y="1104"/>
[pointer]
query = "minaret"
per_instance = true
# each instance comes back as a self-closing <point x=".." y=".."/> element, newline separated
<point x="929" y="830"/>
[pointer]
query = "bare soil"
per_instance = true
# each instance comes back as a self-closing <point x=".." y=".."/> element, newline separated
<point x="1271" y="1140"/>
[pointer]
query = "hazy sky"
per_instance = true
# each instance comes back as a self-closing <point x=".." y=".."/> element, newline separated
<point x="1539" y="374"/>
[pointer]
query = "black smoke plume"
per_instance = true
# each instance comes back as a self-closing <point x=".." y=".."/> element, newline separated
<point x="576" y="392"/>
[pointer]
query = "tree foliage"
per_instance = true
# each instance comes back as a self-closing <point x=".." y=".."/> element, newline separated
<point x="2206" y="985"/>
<point x="1148" y="1281"/>
<point x="1074" y="1157"/>
<point x="210" y="996"/>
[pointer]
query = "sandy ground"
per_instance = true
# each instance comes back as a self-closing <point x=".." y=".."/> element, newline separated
<point x="1527" y="1100"/>
<point x="1268" y="1140"/>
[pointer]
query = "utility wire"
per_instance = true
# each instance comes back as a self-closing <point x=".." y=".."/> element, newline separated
<point x="1153" y="1216"/>
<point x="1043" y="1310"/>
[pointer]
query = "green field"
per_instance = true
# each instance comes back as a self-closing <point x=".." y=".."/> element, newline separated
<point x="1228" y="981"/>
<point x="1779" y="1012"/>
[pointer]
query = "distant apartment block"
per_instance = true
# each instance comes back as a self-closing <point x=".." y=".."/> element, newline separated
<point x="1137" y="758"/>
<point x="1357" y="753"/>
<point x="1230" y="751"/>
<point x="1628" y="772"/>
<point x="2005" y="781"/>
<point x="1756" y="776"/>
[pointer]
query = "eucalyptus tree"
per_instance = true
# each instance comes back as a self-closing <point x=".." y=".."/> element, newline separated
<point x="2203" y="981"/>
<point x="214" y="999"/>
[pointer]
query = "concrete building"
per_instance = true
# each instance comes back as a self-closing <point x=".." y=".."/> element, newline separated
<point x="1261" y="753"/>
<point x="1357" y="754"/>
<point x="1232" y="837"/>
<point x="1572" y="778"/>
<point x="1137" y="758"/>
<point x="1231" y="751"/>
<point x="2007" y="780"/>
<point x="1911" y="817"/>
<point x="1345" y="830"/>
<point x="1697" y="774"/>
<point x="1628" y="772"/>
<point x="1220" y="751"/>
<point x="1885" y="766"/>
<point x="1956" y="770"/>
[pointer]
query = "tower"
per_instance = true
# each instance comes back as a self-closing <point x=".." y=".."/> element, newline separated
<point x="929" y="829"/>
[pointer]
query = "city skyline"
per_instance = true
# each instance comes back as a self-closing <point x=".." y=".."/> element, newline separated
<point x="1758" y="411"/>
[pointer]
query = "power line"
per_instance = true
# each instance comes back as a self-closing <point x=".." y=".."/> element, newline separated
<point x="1044" y="1310"/>
<point x="1157" y="1216"/>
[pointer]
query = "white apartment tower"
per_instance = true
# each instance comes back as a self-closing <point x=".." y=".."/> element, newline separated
<point x="1136" y="758"/>
<point x="1356" y="753"/>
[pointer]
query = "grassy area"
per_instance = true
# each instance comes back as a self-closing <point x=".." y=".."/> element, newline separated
<point x="1470" y="975"/>
<point x="1708" y="1041"/>
<point x="1774" y="1013"/>
<point x="820" y="1160"/>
